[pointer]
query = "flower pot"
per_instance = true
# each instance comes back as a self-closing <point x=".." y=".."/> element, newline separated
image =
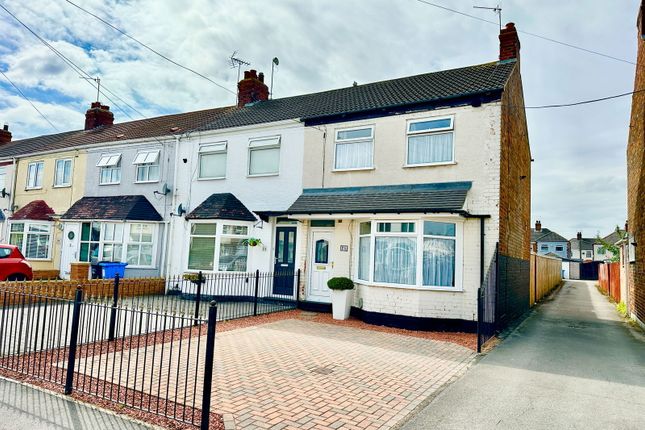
<point x="341" y="303"/>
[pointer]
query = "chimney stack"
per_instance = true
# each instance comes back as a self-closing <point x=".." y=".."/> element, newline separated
<point x="538" y="225"/>
<point x="509" y="43"/>
<point x="5" y="135"/>
<point x="579" y="236"/>
<point x="252" y="88"/>
<point x="98" y="115"/>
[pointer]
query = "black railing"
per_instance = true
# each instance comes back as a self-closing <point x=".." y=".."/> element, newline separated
<point x="487" y="304"/>
<point x="151" y="363"/>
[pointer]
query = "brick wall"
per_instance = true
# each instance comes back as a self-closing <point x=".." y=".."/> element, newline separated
<point x="514" y="202"/>
<point x="636" y="184"/>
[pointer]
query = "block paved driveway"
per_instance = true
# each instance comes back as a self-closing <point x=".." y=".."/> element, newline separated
<point x="298" y="374"/>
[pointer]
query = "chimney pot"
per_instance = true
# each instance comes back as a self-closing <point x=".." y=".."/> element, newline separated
<point x="261" y="77"/>
<point x="579" y="236"/>
<point x="538" y="225"/>
<point x="509" y="43"/>
<point x="5" y="134"/>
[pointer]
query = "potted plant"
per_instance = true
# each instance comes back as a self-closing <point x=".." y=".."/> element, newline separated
<point x="252" y="242"/>
<point x="341" y="297"/>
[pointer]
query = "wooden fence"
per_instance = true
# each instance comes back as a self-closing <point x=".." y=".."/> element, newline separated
<point x="546" y="274"/>
<point x="609" y="280"/>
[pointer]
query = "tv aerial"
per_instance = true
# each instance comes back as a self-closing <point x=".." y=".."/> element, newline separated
<point x="497" y="10"/>
<point x="236" y="62"/>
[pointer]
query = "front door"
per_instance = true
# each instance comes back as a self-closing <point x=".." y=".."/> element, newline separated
<point x="320" y="267"/>
<point x="69" y="251"/>
<point x="285" y="260"/>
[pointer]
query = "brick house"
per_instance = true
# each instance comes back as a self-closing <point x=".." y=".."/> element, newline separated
<point x="410" y="192"/>
<point x="634" y="249"/>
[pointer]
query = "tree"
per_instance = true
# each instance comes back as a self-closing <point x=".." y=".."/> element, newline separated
<point x="609" y="247"/>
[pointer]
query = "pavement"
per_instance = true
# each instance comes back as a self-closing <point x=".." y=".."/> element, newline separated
<point x="574" y="363"/>
<point x="25" y="407"/>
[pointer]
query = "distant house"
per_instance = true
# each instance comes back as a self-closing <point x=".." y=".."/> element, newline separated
<point x="545" y="241"/>
<point x="582" y="248"/>
<point x="601" y="254"/>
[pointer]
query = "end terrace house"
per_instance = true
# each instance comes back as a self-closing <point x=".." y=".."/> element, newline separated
<point x="412" y="186"/>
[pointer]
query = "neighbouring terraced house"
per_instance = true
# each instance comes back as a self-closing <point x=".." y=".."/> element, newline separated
<point x="410" y="187"/>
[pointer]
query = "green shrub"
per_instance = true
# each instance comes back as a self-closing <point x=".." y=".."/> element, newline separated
<point x="340" y="283"/>
<point x="622" y="308"/>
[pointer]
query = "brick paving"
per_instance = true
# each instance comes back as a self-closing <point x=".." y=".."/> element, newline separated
<point x="301" y="374"/>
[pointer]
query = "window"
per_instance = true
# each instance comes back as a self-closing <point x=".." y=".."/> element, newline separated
<point x="139" y="250"/>
<point x="33" y="239"/>
<point x="3" y="179"/>
<point x="63" y="173"/>
<point x="354" y="149"/>
<point x="107" y="242"/>
<point x="322" y="252"/>
<point x="110" y="165"/>
<point x="147" y="163"/>
<point x="544" y="247"/>
<point x="559" y="248"/>
<point x="430" y="141"/>
<point x="212" y="161"/>
<point x="5" y="252"/>
<point x="415" y="253"/>
<point x="264" y="156"/>
<point x="220" y="247"/>
<point x="35" y="175"/>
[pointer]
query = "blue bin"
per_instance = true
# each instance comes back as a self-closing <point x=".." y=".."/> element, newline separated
<point x="110" y="270"/>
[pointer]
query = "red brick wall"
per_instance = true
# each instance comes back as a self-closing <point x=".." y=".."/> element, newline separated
<point x="636" y="185"/>
<point x="515" y="173"/>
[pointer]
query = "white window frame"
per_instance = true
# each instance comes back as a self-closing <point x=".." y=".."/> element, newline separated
<point x="442" y="130"/>
<point x="61" y="184"/>
<point x="214" y="148"/>
<point x="219" y="234"/>
<point x="418" y="234"/>
<point x="143" y="161"/>
<point x="25" y="233"/>
<point x="3" y="178"/>
<point x="274" y="142"/>
<point x="39" y="166"/>
<point x="110" y="162"/>
<point x="124" y="242"/>
<point x="338" y="141"/>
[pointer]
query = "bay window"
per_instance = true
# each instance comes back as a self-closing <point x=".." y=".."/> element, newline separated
<point x="264" y="156"/>
<point x="212" y="161"/>
<point x="420" y="253"/>
<point x="110" y="165"/>
<point x="218" y="247"/>
<point x="132" y="243"/>
<point x="147" y="163"/>
<point x="354" y="149"/>
<point x="33" y="239"/>
<point x="430" y="141"/>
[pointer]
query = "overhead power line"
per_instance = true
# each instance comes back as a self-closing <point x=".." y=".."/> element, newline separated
<point x="24" y="96"/>
<point x="583" y="102"/>
<point x="559" y="42"/>
<point x="154" y="51"/>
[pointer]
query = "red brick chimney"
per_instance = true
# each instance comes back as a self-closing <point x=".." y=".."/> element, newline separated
<point x="98" y="115"/>
<point x="538" y="226"/>
<point x="252" y="88"/>
<point x="509" y="43"/>
<point x="5" y="135"/>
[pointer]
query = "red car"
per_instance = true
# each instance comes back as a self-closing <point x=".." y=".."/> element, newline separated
<point x="13" y="266"/>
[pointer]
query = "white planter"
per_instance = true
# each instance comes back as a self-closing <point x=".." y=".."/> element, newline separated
<point x="341" y="303"/>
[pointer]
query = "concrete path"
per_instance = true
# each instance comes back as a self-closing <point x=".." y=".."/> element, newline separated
<point x="572" y="364"/>
<point x="24" y="407"/>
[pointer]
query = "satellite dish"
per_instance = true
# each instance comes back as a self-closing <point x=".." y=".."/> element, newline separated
<point x="4" y="193"/>
<point x="180" y="210"/>
<point x="276" y="61"/>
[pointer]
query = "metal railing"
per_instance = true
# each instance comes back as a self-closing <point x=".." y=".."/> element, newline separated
<point x="487" y="303"/>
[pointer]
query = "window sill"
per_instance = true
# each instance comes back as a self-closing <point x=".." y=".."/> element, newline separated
<point x="147" y="182"/>
<point x="443" y="163"/>
<point x="263" y="175"/>
<point x="62" y="186"/>
<point x="110" y="183"/>
<point x="219" y="178"/>
<point x="357" y="169"/>
<point x="38" y="259"/>
<point x="33" y="188"/>
<point x="410" y="287"/>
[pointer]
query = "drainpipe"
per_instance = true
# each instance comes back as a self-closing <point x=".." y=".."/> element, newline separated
<point x="173" y="205"/>
<point x="12" y="197"/>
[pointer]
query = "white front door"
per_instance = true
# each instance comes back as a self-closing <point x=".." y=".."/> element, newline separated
<point x="320" y="266"/>
<point x="69" y="252"/>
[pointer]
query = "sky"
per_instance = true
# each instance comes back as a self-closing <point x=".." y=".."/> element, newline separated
<point x="579" y="172"/>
